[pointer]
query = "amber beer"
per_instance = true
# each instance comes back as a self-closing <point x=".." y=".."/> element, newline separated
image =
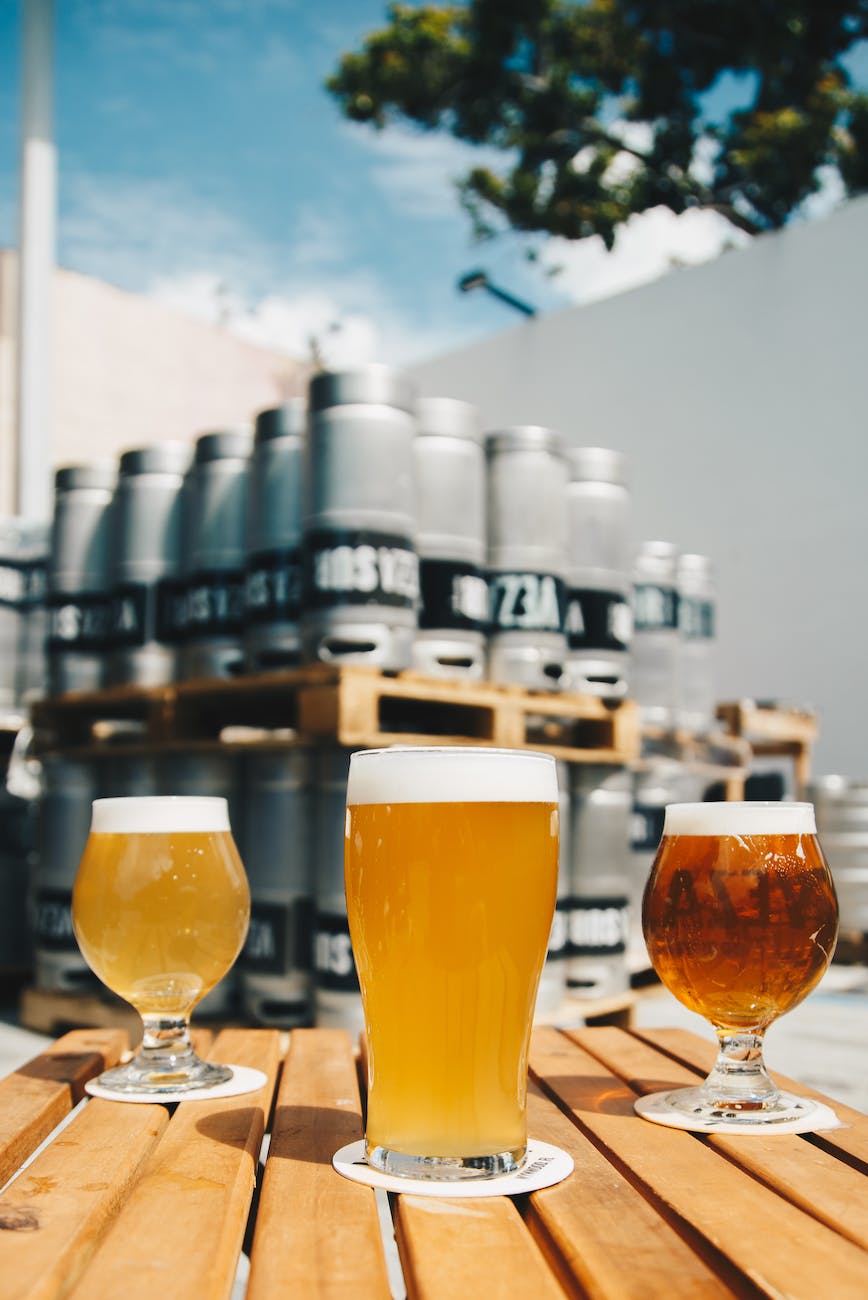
<point x="451" y="875"/>
<point x="159" y="912"/>
<point x="739" y="913"/>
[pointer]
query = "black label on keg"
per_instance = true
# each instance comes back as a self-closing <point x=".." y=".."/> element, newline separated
<point x="171" y="613"/>
<point x="278" y="938"/>
<point x="132" y="616"/>
<point x="598" y="620"/>
<point x="695" y="618"/>
<point x="598" y="927"/>
<point x="52" y="921"/>
<point x="273" y="586"/>
<point x="214" y="604"/>
<point x="359" y="567"/>
<point x="560" y="931"/>
<point x="654" y="608"/>
<point x="333" y="962"/>
<point x="22" y="584"/>
<point x="454" y="595"/>
<point x="78" y="621"/>
<point x="646" y="826"/>
<point x="527" y="602"/>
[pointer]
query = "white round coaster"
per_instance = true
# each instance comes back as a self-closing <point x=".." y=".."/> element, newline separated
<point x="543" y="1166"/>
<point x="815" y="1117"/>
<point x="244" y="1079"/>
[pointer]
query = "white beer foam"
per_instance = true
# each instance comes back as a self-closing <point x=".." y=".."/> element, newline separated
<point x="159" y="814"/>
<point x="451" y="774"/>
<point x="734" y="818"/>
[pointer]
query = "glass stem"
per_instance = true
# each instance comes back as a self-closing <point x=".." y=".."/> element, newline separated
<point x="166" y="1043"/>
<point x="739" y="1079"/>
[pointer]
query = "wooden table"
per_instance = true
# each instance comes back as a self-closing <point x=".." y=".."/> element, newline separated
<point x="129" y="1201"/>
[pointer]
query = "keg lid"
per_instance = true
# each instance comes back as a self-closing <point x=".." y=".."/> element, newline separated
<point x="94" y="474"/>
<point x="447" y="417"/>
<point x="371" y="385"/>
<point x="167" y="457"/>
<point x="695" y="566"/>
<point x="524" y="437"/>
<point x="657" y="560"/>
<point x="598" y="465"/>
<point x="224" y="444"/>
<point x="287" y="421"/>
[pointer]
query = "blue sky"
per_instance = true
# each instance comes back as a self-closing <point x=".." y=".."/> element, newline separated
<point x="201" y="160"/>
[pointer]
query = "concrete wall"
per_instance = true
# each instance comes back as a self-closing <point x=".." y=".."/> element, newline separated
<point x="128" y="371"/>
<point x="740" y="390"/>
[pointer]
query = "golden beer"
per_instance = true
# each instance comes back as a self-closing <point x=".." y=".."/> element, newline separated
<point x="451" y="875"/>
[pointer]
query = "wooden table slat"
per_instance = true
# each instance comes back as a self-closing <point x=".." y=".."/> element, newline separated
<point x="317" y="1234"/>
<point x="745" y="1221"/>
<point x="179" y="1234"/>
<point x="36" y="1097"/>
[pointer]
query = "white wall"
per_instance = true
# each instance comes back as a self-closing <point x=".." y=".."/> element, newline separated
<point x="739" y="389"/>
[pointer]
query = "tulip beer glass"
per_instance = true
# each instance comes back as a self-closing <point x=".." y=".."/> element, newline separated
<point x="160" y="910"/>
<point x="451" y="874"/>
<point x="740" y="919"/>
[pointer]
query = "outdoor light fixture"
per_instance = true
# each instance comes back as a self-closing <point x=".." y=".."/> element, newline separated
<point x="480" y="280"/>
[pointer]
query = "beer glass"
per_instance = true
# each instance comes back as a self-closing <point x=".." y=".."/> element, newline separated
<point x="740" y="918"/>
<point x="160" y="909"/>
<point x="451" y="859"/>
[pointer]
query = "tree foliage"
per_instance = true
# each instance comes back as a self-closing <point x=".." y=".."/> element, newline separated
<point x="602" y="109"/>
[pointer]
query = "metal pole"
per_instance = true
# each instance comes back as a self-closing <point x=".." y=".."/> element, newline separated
<point x="36" y="259"/>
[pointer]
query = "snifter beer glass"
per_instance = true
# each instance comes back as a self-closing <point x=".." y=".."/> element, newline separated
<point x="740" y="918"/>
<point x="451" y="874"/>
<point x="160" y="910"/>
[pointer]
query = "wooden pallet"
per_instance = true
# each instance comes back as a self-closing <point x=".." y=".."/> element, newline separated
<point x="774" y="731"/>
<point x="353" y="707"/>
<point x="50" y="1012"/>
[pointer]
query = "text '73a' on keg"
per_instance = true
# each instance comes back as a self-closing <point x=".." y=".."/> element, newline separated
<point x="361" y="569"/>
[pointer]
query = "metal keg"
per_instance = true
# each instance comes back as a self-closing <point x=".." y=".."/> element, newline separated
<point x="337" y="999"/>
<point x="599" y="892"/>
<point x="272" y="594"/>
<point x="130" y="776"/>
<point x="275" y="964"/>
<point x="697" y="675"/>
<point x="527" y="533"/>
<point x="451" y="539"/>
<point x="69" y="789"/>
<point x="78" y="584"/>
<point x="841" y="806"/>
<point x="145" y="563"/>
<point x="17" y="861"/>
<point x="23" y="560"/>
<point x="361" y="570"/>
<point x="553" y="981"/>
<point x="211" y="773"/>
<point x="599" y="614"/>
<point x="655" y="658"/>
<point x="215" y="544"/>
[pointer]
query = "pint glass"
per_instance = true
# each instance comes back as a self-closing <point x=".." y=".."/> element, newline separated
<point x="451" y="876"/>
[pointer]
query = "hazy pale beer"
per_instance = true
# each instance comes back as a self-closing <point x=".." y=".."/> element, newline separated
<point x="160" y="913"/>
<point x="740" y="914"/>
<point x="451" y="876"/>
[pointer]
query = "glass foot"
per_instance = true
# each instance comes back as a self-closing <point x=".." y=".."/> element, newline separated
<point x="181" y="1076"/>
<point x="444" y="1168"/>
<point x="697" y="1110"/>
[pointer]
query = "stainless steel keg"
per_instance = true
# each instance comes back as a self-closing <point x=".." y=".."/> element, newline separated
<point x="697" y="666"/>
<point x="145" y="563"/>
<point x="553" y="981"/>
<point x="451" y="539"/>
<point x="69" y="788"/>
<point x="272" y="594"/>
<point x="79" y="578"/>
<point x="599" y="614"/>
<point x="527" y="534"/>
<point x="131" y="776"/>
<point x="841" y="806"/>
<point x="275" y="963"/>
<point x="337" y="999"/>
<point x="656" y="640"/>
<point x="215" y="543"/>
<point x="599" y="893"/>
<point x="23" y="561"/>
<point x="361" y="570"/>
